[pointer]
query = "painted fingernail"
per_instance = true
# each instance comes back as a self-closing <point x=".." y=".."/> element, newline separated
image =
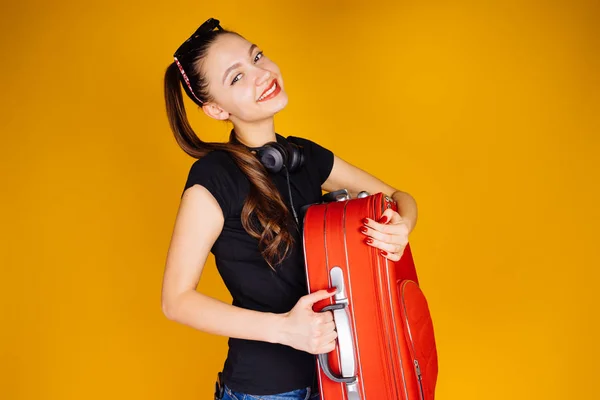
<point x="383" y="253"/>
<point x="332" y="290"/>
<point x="365" y="221"/>
<point x="363" y="229"/>
<point x="383" y="219"/>
<point x="369" y="241"/>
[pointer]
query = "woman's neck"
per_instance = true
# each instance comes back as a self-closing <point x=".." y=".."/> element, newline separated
<point x="255" y="134"/>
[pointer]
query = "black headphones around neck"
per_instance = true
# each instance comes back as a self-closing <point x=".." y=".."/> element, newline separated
<point x="275" y="156"/>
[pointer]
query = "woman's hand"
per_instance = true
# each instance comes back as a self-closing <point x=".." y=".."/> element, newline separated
<point x="309" y="331"/>
<point x="389" y="234"/>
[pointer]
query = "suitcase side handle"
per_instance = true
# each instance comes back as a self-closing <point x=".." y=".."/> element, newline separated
<point x="340" y="316"/>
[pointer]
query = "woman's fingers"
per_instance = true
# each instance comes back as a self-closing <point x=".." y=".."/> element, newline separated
<point x="387" y="247"/>
<point x="328" y="343"/>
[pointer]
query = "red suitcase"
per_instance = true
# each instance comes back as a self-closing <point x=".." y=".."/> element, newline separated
<point x="385" y="347"/>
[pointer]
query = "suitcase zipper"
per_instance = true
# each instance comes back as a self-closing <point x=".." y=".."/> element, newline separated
<point x="420" y="378"/>
<point x="400" y="392"/>
<point x="391" y="352"/>
<point x="412" y="344"/>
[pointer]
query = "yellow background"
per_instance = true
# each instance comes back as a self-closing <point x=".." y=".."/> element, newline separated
<point x="486" y="112"/>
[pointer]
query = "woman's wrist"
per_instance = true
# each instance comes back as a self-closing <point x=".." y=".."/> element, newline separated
<point x="277" y="332"/>
<point x="407" y="208"/>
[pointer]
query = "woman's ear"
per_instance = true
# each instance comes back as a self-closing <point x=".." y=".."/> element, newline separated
<point x="214" y="111"/>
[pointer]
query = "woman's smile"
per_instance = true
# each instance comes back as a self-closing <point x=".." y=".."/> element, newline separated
<point x="272" y="91"/>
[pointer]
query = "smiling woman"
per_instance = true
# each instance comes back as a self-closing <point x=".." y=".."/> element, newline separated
<point x="238" y="202"/>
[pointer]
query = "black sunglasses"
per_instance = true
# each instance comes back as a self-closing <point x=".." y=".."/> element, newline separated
<point x="208" y="26"/>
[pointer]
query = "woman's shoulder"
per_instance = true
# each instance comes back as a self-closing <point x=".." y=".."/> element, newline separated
<point x="221" y="176"/>
<point x="299" y="140"/>
<point x="305" y="142"/>
<point x="311" y="147"/>
<point x="320" y="158"/>
<point x="217" y="162"/>
<point x="217" y="167"/>
<point x="214" y="160"/>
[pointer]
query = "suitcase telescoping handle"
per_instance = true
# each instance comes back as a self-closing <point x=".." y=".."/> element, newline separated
<point x="341" y="317"/>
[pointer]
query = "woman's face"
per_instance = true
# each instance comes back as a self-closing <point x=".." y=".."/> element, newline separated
<point x="245" y="84"/>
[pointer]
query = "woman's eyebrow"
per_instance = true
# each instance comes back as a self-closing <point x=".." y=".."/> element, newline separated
<point x="234" y="66"/>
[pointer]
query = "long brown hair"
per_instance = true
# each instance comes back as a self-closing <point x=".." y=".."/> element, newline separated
<point x="264" y="203"/>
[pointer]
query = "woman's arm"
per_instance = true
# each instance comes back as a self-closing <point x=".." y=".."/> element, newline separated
<point x="347" y="176"/>
<point x="198" y="224"/>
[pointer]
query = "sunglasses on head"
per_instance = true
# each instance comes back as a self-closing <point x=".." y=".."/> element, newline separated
<point x="186" y="47"/>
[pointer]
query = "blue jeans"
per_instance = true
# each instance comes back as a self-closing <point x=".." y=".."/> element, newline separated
<point x="300" y="394"/>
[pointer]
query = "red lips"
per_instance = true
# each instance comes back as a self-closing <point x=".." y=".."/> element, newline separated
<point x="274" y="93"/>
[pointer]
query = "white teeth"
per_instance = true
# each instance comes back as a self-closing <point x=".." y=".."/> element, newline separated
<point x="268" y="92"/>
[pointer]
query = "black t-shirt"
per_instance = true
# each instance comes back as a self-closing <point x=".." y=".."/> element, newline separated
<point x="258" y="367"/>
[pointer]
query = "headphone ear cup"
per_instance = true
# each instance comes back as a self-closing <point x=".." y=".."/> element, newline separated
<point x="301" y="162"/>
<point x="296" y="157"/>
<point x="273" y="156"/>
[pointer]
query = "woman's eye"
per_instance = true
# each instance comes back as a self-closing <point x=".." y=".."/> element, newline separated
<point x="258" y="56"/>
<point x="236" y="78"/>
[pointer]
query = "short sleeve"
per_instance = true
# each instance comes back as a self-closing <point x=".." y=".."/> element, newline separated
<point x="213" y="172"/>
<point x="319" y="157"/>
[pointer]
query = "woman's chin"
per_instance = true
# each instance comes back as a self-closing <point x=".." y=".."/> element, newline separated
<point x="264" y="110"/>
<point x="275" y="104"/>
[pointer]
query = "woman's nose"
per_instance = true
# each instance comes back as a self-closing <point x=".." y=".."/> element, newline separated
<point x="262" y="77"/>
